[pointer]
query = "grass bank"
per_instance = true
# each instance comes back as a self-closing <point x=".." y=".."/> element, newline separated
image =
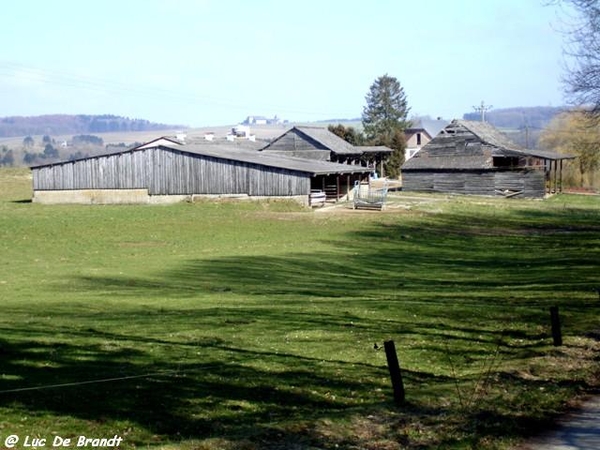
<point x="238" y="325"/>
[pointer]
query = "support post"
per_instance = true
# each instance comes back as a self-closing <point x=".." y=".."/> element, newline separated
<point x="556" y="332"/>
<point x="395" y="374"/>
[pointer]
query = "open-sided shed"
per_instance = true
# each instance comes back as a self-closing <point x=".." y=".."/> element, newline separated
<point x="321" y="144"/>
<point x="165" y="173"/>
<point x="475" y="158"/>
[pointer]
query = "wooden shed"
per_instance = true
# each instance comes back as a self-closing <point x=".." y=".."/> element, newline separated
<point x="321" y="144"/>
<point x="168" y="173"/>
<point x="475" y="158"/>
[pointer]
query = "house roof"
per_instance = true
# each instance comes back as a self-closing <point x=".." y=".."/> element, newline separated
<point x="461" y="146"/>
<point x="431" y="126"/>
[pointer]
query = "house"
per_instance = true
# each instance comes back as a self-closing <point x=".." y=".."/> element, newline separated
<point x="165" y="171"/>
<point x="475" y="158"/>
<point x="420" y="133"/>
<point x="321" y="144"/>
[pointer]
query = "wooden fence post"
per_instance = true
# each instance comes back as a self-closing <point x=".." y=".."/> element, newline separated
<point x="395" y="374"/>
<point x="556" y="332"/>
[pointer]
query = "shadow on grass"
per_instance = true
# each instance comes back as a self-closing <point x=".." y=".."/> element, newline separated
<point x="465" y="282"/>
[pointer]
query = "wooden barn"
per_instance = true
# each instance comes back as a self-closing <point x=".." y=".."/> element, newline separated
<point x="321" y="144"/>
<point x="475" y="158"/>
<point x="170" y="173"/>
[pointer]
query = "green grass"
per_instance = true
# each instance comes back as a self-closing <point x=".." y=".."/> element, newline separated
<point x="252" y="326"/>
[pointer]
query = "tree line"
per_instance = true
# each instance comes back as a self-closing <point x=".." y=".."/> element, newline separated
<point x="75" y="124"/>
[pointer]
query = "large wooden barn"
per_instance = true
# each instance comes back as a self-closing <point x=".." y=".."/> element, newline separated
<point x="168" y="173"/>
<point x="475" y="158"/>
<point x="321" y="144"/>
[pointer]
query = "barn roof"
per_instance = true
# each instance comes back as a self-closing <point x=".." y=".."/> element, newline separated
<point x="234" y="152"/>
<point x="332" y="141"/>
<point x="160" y="140"/>
<point x="471" y="145"/>
<point x="374" y="149"/>
<point x="492" y="136"/>
<point x="312" y="166"/>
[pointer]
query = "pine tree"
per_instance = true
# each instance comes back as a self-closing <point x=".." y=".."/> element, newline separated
<point x="384" y="119"/>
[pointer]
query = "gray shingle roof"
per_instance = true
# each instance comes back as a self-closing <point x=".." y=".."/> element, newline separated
<point x="374" y="149"/>
<point x="330" y="140"/>
<point x="335" y="143"/>
<point x="470" y="145"/>
<point x="314" y="167"/>
<point x="235" y="152"/>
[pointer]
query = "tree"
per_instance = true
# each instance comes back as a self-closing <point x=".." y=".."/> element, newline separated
<point x="582" y="83"/>
<point x="29" y="158"/>
<point x="349" y="134"/>
<point x="386" y="109"/>
<point x="7" y="158"/>
<point x="50" y="151"/>
<point x="384" y="119"/>
<point x="28" y="142"/>
<point x="576" y="133"/>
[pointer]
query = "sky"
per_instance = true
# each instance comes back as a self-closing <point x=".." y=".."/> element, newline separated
<point x="215" y="62"/>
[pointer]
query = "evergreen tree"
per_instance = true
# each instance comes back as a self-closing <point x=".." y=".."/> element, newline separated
<point x="385" y="117"/>
<point x="50" y="151"/>
<point x="28" y="142"/>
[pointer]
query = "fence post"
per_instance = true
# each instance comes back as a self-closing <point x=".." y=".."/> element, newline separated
<point x="556" y="332"/>
<point x="395" y="374"/>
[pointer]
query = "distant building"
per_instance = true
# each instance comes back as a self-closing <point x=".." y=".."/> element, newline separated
<point x="420" y="133"/>
<point x="261" y="120"/>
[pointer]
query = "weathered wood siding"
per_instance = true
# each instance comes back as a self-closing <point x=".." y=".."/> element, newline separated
<point x="295" y="144"/>
<point x="167" y="172"/>
<point x="531" y="182"/>
<point x="118" y="171"/>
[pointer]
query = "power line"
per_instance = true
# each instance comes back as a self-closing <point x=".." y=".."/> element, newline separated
<point x="483" y="108"/>
<point x="70" y="80"/>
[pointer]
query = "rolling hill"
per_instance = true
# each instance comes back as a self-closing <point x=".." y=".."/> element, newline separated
<point x="60" y="124"/>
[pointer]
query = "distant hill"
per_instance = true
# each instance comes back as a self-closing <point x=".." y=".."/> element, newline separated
<point x="522" y="124"/>
<point x="61" y="124"/>
<point x="519" y="117"/>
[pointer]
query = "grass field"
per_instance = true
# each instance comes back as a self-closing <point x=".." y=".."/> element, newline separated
<point x="253" y="326"/>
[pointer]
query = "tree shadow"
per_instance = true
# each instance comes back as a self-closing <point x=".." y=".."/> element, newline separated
<point x="466" y="283"/>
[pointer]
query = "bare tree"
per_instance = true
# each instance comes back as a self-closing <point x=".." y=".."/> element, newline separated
<point x="582" y="77"/>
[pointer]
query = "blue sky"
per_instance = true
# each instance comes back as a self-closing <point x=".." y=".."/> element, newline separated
<point x="214" y="62"/>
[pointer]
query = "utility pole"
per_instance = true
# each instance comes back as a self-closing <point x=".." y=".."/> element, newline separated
<point x="482" y="109"/>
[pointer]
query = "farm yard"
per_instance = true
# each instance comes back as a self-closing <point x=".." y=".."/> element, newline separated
<point x="259" y="325"/>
